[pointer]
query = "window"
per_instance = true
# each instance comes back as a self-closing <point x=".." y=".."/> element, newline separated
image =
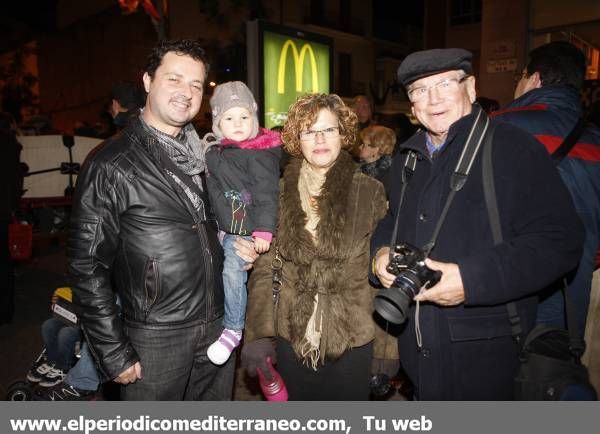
<point x="317" y="12"/>
<point x="465" y="12"/>
<point x="346" y="16"/>
<point x="344" y="74"/>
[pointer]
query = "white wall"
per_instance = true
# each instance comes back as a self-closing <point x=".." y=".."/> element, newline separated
<point x="47" y="152"/>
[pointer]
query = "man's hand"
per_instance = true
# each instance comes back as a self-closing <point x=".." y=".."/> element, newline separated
<point x="449" y="291"/>
<point x="382" y="259"/>
<point x="261" y="245"/>
<point x="245" y="250"/>
<point x="130" y="375"/>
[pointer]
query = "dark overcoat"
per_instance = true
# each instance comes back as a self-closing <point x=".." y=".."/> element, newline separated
<point x="467" y="351"/>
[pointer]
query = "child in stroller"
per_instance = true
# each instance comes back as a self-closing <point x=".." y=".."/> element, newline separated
<point x="65" y="370"/>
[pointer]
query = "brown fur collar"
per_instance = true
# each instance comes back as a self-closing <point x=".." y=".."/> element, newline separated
<point x="318" y="265"/>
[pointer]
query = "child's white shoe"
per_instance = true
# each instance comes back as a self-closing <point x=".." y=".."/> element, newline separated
<point x="220" y="350"/>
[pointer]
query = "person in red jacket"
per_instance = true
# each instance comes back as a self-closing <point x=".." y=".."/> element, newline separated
<point x="548" y="105"/>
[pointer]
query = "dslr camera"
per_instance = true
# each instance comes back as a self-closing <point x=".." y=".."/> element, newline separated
<point x="408" y="265"/>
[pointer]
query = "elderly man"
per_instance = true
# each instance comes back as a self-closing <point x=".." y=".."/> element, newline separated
<point x="141" y="228"/>
<point x="458" y="342"/>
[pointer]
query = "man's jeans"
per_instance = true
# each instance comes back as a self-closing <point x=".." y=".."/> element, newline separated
<point x="83" y="375"/>
<point x="234" y="285"/>
<point x="175" y="366"/>
<point x="59" y="340"/>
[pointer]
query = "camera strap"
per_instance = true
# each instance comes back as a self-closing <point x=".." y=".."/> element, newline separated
<point x="457" y="179"/>
<point x="462" y="170"/>
<point x="569" y="141"/>
<point x="457" y="182"/>
<point x="410" y="164"/>
<point x="576" y="342"/>
<point x="491" y="204"/>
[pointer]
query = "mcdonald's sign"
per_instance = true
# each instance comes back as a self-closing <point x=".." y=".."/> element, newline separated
<point x="298" y="66"/>
<point x="292" y="66"/>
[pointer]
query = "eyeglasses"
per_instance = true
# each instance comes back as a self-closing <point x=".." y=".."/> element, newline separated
<point x="312" y="134"/>
<point x="444" y="88"/>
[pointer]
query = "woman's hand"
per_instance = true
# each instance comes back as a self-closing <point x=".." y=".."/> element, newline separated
<point x="254" y="356"/>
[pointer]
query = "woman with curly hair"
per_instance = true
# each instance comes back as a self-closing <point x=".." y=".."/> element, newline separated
<point x="377" y="145"/>
<point x="318" y="328"/>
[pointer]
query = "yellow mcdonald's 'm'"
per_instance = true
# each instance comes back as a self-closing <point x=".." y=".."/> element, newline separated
<point x="298" y="66"/>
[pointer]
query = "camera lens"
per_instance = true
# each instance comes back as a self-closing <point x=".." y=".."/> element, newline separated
<point x="392" y="304"/>
<point x="408" y="281"/>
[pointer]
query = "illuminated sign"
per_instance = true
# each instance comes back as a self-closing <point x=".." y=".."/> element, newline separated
<point x="292" y="66"/>
<point x="298" y="67"/>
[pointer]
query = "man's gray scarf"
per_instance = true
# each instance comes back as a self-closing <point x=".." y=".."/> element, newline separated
<point x="186" y="152"/>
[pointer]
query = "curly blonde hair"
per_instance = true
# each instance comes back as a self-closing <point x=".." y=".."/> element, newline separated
<point x="382" y="137"/>
<point x="303" y="114"/>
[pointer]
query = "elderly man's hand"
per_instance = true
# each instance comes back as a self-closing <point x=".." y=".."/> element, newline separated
<point x="382" y="259"/>
<point x="449" y="291"/>
<point x="130" y="375"/>
<point x="245" y="250"/>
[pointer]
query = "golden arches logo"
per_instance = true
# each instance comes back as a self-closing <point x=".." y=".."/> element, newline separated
<point x="298" y="66"/>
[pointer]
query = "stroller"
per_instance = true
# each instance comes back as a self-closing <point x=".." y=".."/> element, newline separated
<point x="42" y="370"/>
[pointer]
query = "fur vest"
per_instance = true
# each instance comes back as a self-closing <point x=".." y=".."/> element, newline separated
<point x="336" y="266"/>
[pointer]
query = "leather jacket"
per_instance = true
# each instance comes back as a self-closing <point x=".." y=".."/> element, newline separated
<point x="132" y="233"/>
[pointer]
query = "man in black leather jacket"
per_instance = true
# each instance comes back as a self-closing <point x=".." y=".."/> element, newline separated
<point x="141" y="228"/>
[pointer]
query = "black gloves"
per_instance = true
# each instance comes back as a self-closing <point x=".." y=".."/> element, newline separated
<point x="383" y="372"/>
<point x="254" y="355"/>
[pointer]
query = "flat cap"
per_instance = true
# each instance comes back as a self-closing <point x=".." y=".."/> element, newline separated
<point x="429" y="62"/>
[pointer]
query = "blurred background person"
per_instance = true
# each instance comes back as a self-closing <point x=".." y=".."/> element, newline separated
<point x="127" y="99"/>
<point x="488" y="105"/>
<point x="548" y="106"/>
<point x="375" y="150"/>
<point x="364" y="110"/>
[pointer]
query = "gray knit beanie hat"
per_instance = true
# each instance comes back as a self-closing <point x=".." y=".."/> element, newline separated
<point x="228" y="95"/>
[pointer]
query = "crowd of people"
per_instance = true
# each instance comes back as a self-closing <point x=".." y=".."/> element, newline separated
<point x="187" y="252"/>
